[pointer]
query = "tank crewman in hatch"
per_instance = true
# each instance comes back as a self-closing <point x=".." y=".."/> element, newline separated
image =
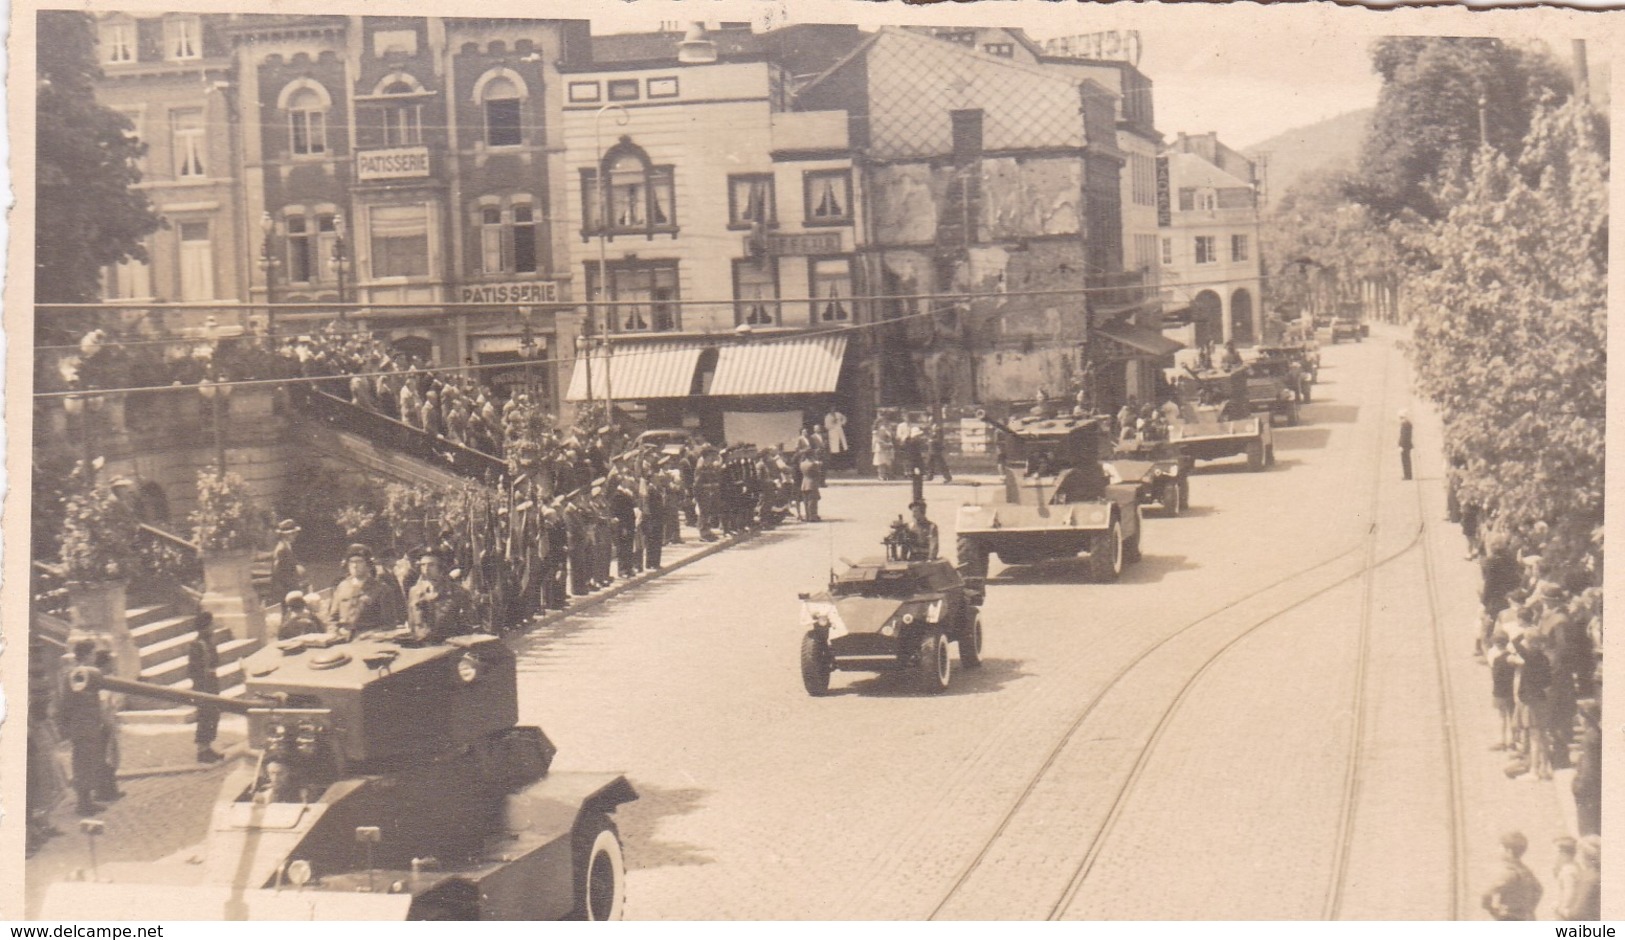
<point x="360" y="602"/>
<point x="923" y="538"/>
<point x="438" y="607"/>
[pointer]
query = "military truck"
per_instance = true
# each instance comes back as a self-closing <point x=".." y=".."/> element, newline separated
<point x="1056" y="500"/>
<point x="1261" y="392"/>
<point x="392" y="782"/>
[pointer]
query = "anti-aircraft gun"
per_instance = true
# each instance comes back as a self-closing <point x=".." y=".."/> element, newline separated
<point x="1056" y="501"/>
<point x="393" y="782"/>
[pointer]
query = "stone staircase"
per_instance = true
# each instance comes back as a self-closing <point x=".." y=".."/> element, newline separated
<point x="162" y="633"/>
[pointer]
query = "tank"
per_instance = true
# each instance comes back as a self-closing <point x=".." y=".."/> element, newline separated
<point x="1056" y="501"/>
<point x="392" y="781"/>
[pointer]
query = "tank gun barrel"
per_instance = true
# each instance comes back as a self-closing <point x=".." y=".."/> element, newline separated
<point x="994" y="422"/>
<point x="82" y="678"/>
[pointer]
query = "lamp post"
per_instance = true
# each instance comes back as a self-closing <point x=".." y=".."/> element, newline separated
<point x="340" y="261"/>
<point x="622" y="117"/>
<point x="215" y="391"/>
<point x="527" y="349"/>
<point x="268" y="263"/>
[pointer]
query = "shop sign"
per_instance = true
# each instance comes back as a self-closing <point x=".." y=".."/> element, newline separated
<point x="512" y="292"/>
<point x="797" y="244"/>
<point x="1165" y="209"/>
<point x="399" y="163"/>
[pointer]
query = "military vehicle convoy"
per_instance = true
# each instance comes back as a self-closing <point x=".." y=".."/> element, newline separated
<point x="1160" y="471"/>
<point x="1056" y="501"/>
<point x="393" y="782"/>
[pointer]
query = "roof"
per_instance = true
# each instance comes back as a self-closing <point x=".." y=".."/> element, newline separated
<point x="1146" y="340"/>
<point x="801" y="366"/>
<point x="1188" y="169"/>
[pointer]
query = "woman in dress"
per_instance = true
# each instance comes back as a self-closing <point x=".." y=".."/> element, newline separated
<point x="883" y="447"/>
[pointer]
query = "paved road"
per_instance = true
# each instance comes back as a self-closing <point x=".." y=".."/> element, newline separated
<point x="1218" y="677"/>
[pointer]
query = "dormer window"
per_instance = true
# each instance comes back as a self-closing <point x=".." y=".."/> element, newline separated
<point x="183" y="38"/>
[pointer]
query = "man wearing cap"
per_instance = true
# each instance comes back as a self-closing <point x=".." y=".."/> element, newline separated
<point x="203" y="668"/>
<point x="438" y="607"/>
<point x="922" y="532"/>
<point x="708" y="492"/>
<point x="287" y="574"/>
<point x="360" y="602"/>
<point x="1405" y="443"/>
<point x="297" y="618"/>
<point x="1516" y="891"/>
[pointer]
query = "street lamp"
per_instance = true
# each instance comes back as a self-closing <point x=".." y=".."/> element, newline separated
<point x="215" y="391"/>
<point x="622" y="118"/>
<point x="340" y="261"/>
<point x="268" y="264"/>
<point x="527" y="349"/>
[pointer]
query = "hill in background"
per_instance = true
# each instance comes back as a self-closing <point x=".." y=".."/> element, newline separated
<point x="1334" y="142"/>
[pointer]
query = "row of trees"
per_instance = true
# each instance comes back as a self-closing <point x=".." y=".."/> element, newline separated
<point x="1480" y="195"/>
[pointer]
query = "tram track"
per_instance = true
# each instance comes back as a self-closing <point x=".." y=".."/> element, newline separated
<point x="1368" y="547"/>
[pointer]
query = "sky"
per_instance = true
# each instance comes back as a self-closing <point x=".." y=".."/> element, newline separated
<point x="1246" y="86"/>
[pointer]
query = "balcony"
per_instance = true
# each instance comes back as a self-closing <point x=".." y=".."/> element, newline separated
<point x="809" y="130"/>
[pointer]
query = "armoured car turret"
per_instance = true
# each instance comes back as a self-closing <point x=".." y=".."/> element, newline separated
<point x="1057" y="501"/>
<point x="392" y="782"/>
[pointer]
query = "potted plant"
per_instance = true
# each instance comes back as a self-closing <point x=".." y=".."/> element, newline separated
<point x="228" y="529"/>
<point x="98" y="554"/>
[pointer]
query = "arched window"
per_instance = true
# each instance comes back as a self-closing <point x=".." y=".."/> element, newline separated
<point x="502" y="97"/>
<point x="635" y="194"/>
<point x="306" y="104"/>
<point x="397" y="122"/>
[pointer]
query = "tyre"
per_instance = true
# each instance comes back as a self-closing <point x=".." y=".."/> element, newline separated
<point x="970" y="645"/>
<point x="1269" y="455"/>
<point x="600" y="869"/>
<point x="814" y="665"/>
<point x="1172" y="497"/>
<point x="936" y="666"/>
<point x="1106" y="557"/>
<point x="972" y="557"/>
<point x="1184" y="493"/>
<point x="1131" y="546"/>
<point x="1255" y="456"/>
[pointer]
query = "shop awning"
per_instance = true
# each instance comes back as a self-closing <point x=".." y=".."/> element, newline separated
<point x="1140" y="340"/>
<point x="807" y="365"/>
<point x="636" y="371"/>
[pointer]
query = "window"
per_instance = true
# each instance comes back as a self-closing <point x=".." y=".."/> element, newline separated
<point x="197" y="262"/>
<point x="188" y="131"/>
<point x="1238" y="248"/>
<point x="1004" y="49"/>
<point x="507" y="238"/>
<point x="394" y="42"/>
<point x="299" y="267"/>
<point x="327" y="244"/>
<point x="623" y="89"/>
<point x="400" y="123"/>
<point x="127" y="280"/>
<point x="638" y="194"/>
<point x="662" y="87"/>
<point x="1207" y="250"/>
<point x="307" y="122"/>
<point x="400" y="241"/>
<point x="1167" y="251"/>
<point x="831" y="283"/>
<point x="584" y="91"/>
<point x="182" y="38"/>
<point x="502" y="100"/>
<point x="1206" y="200"/>
<point x="653" y="287"/>
<point x="756" y="288"/>
<point x="829" y="197"/>
<point x="117" y="38"/>
<point x="750" y="200"/>
<point x="963" y="37"/>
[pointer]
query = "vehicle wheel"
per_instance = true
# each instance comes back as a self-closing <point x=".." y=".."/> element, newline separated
<point x="936" y="666"/>
<point x="1172" y="498"/>
<point x="1255" y="456"/>
<point x="1106" y="558"/>
<point x="1184" y="494"/>
<point x="600" y="869"/>
<point x="814" y="665"/>
<point x="970" y="645"/>
<point x="972" y="557"/>
<point x="1131" y="548"/>
<point x="1269" y="455"/>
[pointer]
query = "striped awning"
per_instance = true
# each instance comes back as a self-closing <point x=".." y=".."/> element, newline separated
<point x="635" y="371"/>
<point x="807" y="365"/>
<point x="1137" y="341"/>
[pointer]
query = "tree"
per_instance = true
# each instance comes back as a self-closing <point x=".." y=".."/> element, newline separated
<point x="1510" y="338"/>
<point x="1427" y="119"/>
<point x="89" y="214"/>
<point x="1322" y="246"/>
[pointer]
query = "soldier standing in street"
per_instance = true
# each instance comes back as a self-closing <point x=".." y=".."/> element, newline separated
<point x="652" y="521"/>
<point x="287" y="574"/>
<point x="81" y="717"/>
<point x="811" y="472"/>
<point x="708" y="492"/>
<point x="1405" y="443"/>
<point x="556" y="558"/>
<point x="203" y="668"/>
<point x="624" y="507"/>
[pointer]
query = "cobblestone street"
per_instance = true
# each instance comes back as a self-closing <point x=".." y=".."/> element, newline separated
<point x="1175" y="745"/>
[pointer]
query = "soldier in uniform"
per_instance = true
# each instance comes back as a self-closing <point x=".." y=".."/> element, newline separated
<point x="923" y="537"/>
<point x="287" y="575"/>
<point x="652" y="522"/>
<point x="361" y="601"/>
<point x="580" y="546"/>
<point x="708" y="492"/>
<point x="439" y="607"/>
<point x="203" y="667"/>
<point x="81" y="716"/>
<point x="556" y="557"/>
<point x="624" y="507"/>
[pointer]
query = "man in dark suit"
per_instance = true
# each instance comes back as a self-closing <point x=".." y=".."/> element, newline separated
<point x="1405" y="442"/>
<point x="203" y="668"/>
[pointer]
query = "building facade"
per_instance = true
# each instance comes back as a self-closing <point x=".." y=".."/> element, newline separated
<point x="1210" y="245"/>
